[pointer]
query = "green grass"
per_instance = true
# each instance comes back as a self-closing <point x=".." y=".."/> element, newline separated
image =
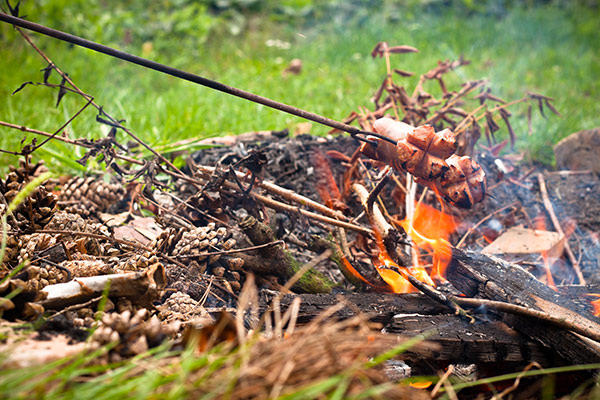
<point x="544" y="49"/>
<point x="164" y="374"/>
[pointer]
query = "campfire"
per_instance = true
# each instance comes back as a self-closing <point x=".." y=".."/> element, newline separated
<point x="418" y="219"/>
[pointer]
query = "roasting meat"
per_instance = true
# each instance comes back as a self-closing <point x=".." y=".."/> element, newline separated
<point x="429" y="156"/>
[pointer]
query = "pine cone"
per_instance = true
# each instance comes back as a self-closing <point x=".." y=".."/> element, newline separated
<point x="135" y="333"/>
<point x="137" y="262"/>
<point x="201" y="240"/>
<point x="11" y="255"/>
<point x="27" y="171"/>
<point x="89" y="196"/>
<point x="64" y="221"/>
<point x="165" y="242"/>
<point x="30" y="245"/>
<point x="181" y="307"/>
<point x="70" y="222"/>
<point x="87" y="267"/>
<point x="36" y="210"/>
<point x="191" y="249"/>
<point x="40" y="277"/>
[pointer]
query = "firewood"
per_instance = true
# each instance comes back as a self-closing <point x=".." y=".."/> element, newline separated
<point x="413" y="314"/>
<point x="143" y="286"/>
<point x="478" y="275"/>
<point x="380" y="307"/>
<point x="488" y="342"/>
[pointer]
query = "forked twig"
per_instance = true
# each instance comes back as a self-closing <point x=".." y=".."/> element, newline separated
<point x="115" y="122"/>
<point x="64" y="140"/>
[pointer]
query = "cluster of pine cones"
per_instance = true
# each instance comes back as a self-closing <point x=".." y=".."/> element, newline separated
<point x="56" y="234"/>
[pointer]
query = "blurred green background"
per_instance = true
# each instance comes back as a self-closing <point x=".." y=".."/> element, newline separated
<point x="550" y="47"/>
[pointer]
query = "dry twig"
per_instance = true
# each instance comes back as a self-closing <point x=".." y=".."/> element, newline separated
<point x="556" y="223"/>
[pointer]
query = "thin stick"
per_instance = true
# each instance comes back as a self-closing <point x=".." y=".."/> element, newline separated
<point x="285" y="193"/>
<point x="517" y="381"/>
<point x="373" y="213"/>
<point x="556" y="223"/>
<point x="277" y="205"/>
<point x="94" y="235"/>
<point x="76" y="307"/>
<point x="177" y="73"/>
<point x="510" y="308"/>
<point x="206" y="292"/>
<point x="442" y="380"/>
<point x="63" y="126"/>
<point x="439" y="113"/>
<point x="462" y="127"/>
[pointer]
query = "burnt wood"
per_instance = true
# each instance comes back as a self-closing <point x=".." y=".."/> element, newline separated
<point x="479" y="275"/>
<point x="484" y="342"/>
<point x="380" y="307"/>
<point x="413" y="314"/>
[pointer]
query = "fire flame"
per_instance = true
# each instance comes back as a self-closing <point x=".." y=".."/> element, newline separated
<point x="595" y="303"/>
<point x="429" y="231"/>
<point x="540" y="224"/>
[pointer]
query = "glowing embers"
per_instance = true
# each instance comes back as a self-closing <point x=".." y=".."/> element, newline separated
<point x="429" y="231"/>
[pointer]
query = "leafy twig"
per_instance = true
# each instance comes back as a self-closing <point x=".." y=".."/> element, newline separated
<point x="81" y="143"/>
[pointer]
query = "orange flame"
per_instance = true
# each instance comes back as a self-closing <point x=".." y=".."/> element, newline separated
<point x="429" y="231"/>
<point x="595" y="303"/>
<point x="540" y="225"/>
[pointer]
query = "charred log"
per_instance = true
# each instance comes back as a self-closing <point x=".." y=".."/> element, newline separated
<point x="478" y="275"/>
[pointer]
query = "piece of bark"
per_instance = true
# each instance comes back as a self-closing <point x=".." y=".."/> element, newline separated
<point x="280" y="262"/>
<point x="56" y="254"/>
<point x="479" y="275"/>
<point x="520" y="241"/>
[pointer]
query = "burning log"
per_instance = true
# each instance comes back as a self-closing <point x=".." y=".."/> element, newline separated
<point x="478" y="275"/>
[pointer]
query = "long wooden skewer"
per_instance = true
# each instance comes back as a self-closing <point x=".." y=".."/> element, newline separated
<point x="67" y="37"/>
